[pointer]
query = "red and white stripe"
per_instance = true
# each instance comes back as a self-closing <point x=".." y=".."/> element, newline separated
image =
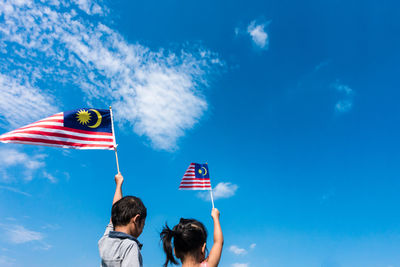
<point x="51" y="132"/>
<point x="190" y="182"/>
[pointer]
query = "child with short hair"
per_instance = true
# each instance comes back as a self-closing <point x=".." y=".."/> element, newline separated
<point x="119" y="245"/>
<point x="189" y="239"/>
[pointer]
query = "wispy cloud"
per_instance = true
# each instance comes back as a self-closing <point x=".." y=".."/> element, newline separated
<point x="222" y="190"/>
<point x="15" y="190"/>
<point x="14" y="158"/>
<point x="321" y="65"/>
<point x="253" y="246"/>
<point x="18" y="234"/>
<point x="158" y="94"/>
<point x="24" y="165"/>
<point x="90" y="7"/>
<point x="237" y="31"/>
<point x="327" y="196"/>
<point x="51" y="226"/>
<point x="343" y="88"/>
<point x="343" y="105"/>
<point x="240" y="265"/>
<point x="236" y="250"/>
<point x="49" y="177"/>
<point x="346" y="93"/>
<point x="258" y="34"/>
<point x="42" y="246"/>
<point x="21" y="103"/>
<point x="6" y="261"/>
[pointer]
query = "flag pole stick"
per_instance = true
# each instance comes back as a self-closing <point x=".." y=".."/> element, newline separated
<point x="211" y="194"/>
<point x="212" y="199"/>
<point x="115" y="143"/>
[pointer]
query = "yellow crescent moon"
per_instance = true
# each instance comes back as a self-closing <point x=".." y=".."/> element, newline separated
<point x="205" y="171"/>
<point x="97" y="124"/>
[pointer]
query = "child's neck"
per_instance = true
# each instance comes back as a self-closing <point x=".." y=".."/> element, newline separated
<point x="190" y="262"/>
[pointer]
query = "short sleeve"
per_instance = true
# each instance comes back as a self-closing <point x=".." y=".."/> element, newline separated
<point x="109" y="228"/>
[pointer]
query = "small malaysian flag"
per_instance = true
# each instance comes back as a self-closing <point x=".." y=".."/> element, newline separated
<point x="79" y="129"/>
<point x="196" y="177"/>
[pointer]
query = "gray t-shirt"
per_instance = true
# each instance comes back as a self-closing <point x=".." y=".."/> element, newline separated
<point x="118" y="249"/>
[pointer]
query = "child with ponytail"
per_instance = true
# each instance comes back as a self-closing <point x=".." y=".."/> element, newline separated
<point x="189" y="239"/>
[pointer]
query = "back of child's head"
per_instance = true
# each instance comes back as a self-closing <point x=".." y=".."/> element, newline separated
<point x="189" y="237"/>
<point x="125" y="209"/>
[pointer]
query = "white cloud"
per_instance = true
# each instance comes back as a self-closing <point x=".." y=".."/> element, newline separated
<point x="89" y="6"/>
<point x="18" y="234"/>
<point x="10" y="157"/>
<point x="253" y="246"/>
<point x="42" y="246"/>
<point x="15" y="190"/>
<point x="6" y="261"/>
<point x="236" y="250"/>
<point x="344" y="88"/>
<point x="321" y="65"/>
<point x="14" y="158"/>
<point x="258" y="34"/>
<point x="346" y="103"/>
<point x="240" y="265"/>
<point x="51" y="226"/>
<point x="343" y="105"/>
<point x="158" y="94"/>
<point x="49" y="177"/>
<point x="222" y="190"/>
<point x="22" y="103"/>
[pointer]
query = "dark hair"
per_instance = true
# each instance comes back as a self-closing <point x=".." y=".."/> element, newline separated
<point x="189" y="235"/>
<point x="125" y="209"/>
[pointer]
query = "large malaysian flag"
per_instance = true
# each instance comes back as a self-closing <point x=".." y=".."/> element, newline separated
<point x="196" y="177"/>
<point x="81" y="129"/>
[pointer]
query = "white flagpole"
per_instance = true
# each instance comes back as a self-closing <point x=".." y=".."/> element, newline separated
<point x="115" y="143"/>
<point x="212" y="199"/>
<point x="211" y="194"/>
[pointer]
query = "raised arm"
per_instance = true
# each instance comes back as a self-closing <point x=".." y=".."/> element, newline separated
<point x="216" y="250"/>
<point x="119" y="179"/>
<point x="117" y="196"/>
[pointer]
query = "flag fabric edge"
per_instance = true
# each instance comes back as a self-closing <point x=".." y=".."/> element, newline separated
<point x="51" y="131"/>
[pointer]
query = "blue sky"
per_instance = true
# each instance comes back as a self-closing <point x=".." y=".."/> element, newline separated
<point x="294" y="105"/>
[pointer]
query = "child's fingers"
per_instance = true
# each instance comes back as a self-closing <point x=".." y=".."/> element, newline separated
<point x="119" y="178"/>
<point x="215" y="212"/>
